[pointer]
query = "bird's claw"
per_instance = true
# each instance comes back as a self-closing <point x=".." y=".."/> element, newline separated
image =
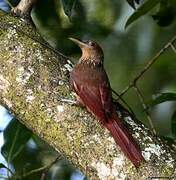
<point x="69" y="101"/>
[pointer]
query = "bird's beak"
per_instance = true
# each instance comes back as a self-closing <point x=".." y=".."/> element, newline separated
<point x="78" y="42"/>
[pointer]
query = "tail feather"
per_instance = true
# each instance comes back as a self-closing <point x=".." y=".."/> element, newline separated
<point x="126" y="142"/>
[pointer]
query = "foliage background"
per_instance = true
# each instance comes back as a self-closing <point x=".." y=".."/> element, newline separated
<point x="126" y="50"/>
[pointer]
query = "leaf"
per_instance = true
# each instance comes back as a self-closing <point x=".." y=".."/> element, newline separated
<point x="2" y="166"/>
<point x="68" y="6"/>
<point x="137" y="1"/>
<point x="173" y="124"/>
<point x="16" y="136"/>
<point x="164" y="19"/>
<point x="163" y="97"/>
<point x="131" y="3"/>
<point x="143" y="9"/>
<point x="166" y="13"/>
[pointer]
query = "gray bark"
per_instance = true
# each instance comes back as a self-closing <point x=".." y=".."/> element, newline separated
<point x="33" y="80"/>
<point x="24" y="7"/>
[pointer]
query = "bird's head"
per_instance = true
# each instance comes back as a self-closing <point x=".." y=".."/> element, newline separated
<point x="91" y="51"/>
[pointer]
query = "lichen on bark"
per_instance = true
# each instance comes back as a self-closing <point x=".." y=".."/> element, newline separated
<point x="34" y="79"/>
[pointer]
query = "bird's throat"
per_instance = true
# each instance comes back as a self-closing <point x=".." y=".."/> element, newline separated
<point x="91" y="62"/>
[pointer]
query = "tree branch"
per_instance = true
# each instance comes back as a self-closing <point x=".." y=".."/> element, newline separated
<point x="149" y="64"/>
<point x="43" y="168"/>
<point x="24" y="7"/>
<point x="33" y="79"/>
<point x="141" y="98"/>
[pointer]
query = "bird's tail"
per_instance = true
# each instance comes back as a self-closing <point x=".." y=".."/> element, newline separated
<point x="125" y="140"/>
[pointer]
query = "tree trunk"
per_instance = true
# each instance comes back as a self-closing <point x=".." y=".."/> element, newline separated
<point x="34" y="79"/>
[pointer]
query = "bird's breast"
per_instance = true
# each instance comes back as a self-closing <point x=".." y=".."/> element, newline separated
<point x="88" y="73"/>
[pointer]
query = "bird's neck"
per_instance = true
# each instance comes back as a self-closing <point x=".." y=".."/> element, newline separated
<point x="91" y="57"/>
<point x="91" y="61"/>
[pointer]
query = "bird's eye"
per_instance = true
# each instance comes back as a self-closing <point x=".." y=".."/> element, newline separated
<point x="91" y="43"/>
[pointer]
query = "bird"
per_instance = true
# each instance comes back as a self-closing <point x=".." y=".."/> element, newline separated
<point x="90" y="82"/>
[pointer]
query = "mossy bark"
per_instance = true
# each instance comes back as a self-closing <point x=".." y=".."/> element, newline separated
<point x="33" y="80"/>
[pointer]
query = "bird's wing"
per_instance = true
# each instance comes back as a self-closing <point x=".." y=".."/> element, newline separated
<point x="106" y="98"/>
<point x="96" y="98"/>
